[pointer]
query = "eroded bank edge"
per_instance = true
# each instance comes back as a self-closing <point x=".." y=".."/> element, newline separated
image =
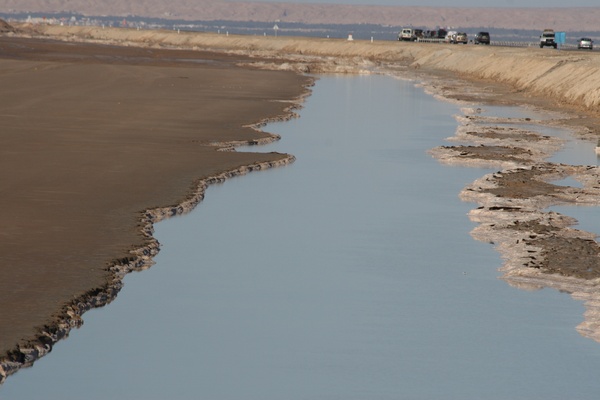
<point x="539" y="248"/>
<point x="26" y="353"/>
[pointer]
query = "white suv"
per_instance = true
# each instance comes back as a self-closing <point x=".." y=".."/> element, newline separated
<point x="407" y="34"/>
<point x="585" y="43"/>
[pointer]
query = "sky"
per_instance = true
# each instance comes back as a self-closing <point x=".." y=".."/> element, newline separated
<point x="446" y="3"/>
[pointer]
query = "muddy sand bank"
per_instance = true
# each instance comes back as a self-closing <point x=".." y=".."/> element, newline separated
<point x="133" y="103"/>
<point x="94" y="137"/>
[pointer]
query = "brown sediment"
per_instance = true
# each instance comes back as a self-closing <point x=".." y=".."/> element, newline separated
<point x="515" y="154"/>
<point x="99" y="142"/>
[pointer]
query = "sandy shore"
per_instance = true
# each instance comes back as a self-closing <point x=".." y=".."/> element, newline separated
<point x="92" y="138"/>
<point x="97" y="135"/>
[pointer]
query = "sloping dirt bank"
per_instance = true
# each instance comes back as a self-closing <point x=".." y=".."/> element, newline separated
<point x="566" y="77"/>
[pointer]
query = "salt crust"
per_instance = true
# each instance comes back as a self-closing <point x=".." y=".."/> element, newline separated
<point x="497" y="215"/>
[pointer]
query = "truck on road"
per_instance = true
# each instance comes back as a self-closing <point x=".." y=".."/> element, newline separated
<point x="548" y="38"/>
<point x="409" y="34"/>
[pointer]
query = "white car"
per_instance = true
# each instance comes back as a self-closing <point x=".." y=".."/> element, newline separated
<point x="407" y="34"/>
<point x="585" y="43"/>
<point x="451" y="36"/>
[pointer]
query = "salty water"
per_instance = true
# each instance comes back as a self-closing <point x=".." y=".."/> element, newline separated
<point x="350" y="274"/>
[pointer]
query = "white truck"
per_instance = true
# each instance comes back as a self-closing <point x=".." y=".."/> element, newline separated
<point x="548" y="38"/>
<point x="409" y="34"/>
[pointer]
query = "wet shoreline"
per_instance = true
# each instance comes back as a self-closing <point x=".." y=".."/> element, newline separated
<point x="85" y="194"/>
<point x="539" y="247"/>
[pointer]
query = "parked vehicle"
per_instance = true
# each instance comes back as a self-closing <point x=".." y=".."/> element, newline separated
<point x="435" y="34"/>
<point x="451" y="36"/>
<point x="461" y="37"/>
<point x="548" y="38"/>
<point x="482" y="38"/>
<point x="409" y="34"/>
<point x="585" y="43"/>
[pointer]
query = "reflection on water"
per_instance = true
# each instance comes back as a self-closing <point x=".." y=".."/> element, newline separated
<point x="568" y="181"/>
<point x="350" y="274"/>
<point x="575" y="152"/>
<point x="588" y="217"/>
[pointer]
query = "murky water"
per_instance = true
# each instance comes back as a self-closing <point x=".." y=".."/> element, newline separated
<point x="349" y="274"/>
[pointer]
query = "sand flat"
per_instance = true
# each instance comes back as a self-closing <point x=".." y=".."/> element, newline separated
<point x="92" y="136"/>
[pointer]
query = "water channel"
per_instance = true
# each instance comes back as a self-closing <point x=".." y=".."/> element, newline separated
<point x="350" y="274"/>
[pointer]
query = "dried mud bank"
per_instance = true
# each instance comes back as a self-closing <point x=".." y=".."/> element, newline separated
<point x="539" y="247"/>
<point x="70" y="317"/>
<point x="139" y="260"/>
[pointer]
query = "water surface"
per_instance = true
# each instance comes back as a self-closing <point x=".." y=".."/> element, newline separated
<point x="350" y="274"/>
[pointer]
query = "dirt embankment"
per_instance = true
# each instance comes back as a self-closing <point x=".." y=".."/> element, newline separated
<point x="567" y="77"/>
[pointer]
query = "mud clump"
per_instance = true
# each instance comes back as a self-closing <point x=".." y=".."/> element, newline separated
<point x="574" y="257"/>
<point x="492" y="153"/>
<point x="522" y="184"/>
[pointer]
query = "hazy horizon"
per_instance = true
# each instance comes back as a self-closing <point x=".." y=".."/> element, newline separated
<point x="442" y="3"/>
<point x="580" y="16"/>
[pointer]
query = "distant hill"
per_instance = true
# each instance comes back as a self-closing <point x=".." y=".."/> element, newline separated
<point x="563" y="19"/>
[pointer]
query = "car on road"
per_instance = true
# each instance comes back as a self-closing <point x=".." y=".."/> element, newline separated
<point x="482" y="38"/>
<point x="461" y="37"/>
<point x="409" y="34"/>
<point x="435" y="34"/>
<point x="548" y="38"/>
<point x="450" y="36"/>
<point x="585" y="43"/>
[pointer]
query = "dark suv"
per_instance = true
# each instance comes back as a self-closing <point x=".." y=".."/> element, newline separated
<point x="482" y="38"/>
